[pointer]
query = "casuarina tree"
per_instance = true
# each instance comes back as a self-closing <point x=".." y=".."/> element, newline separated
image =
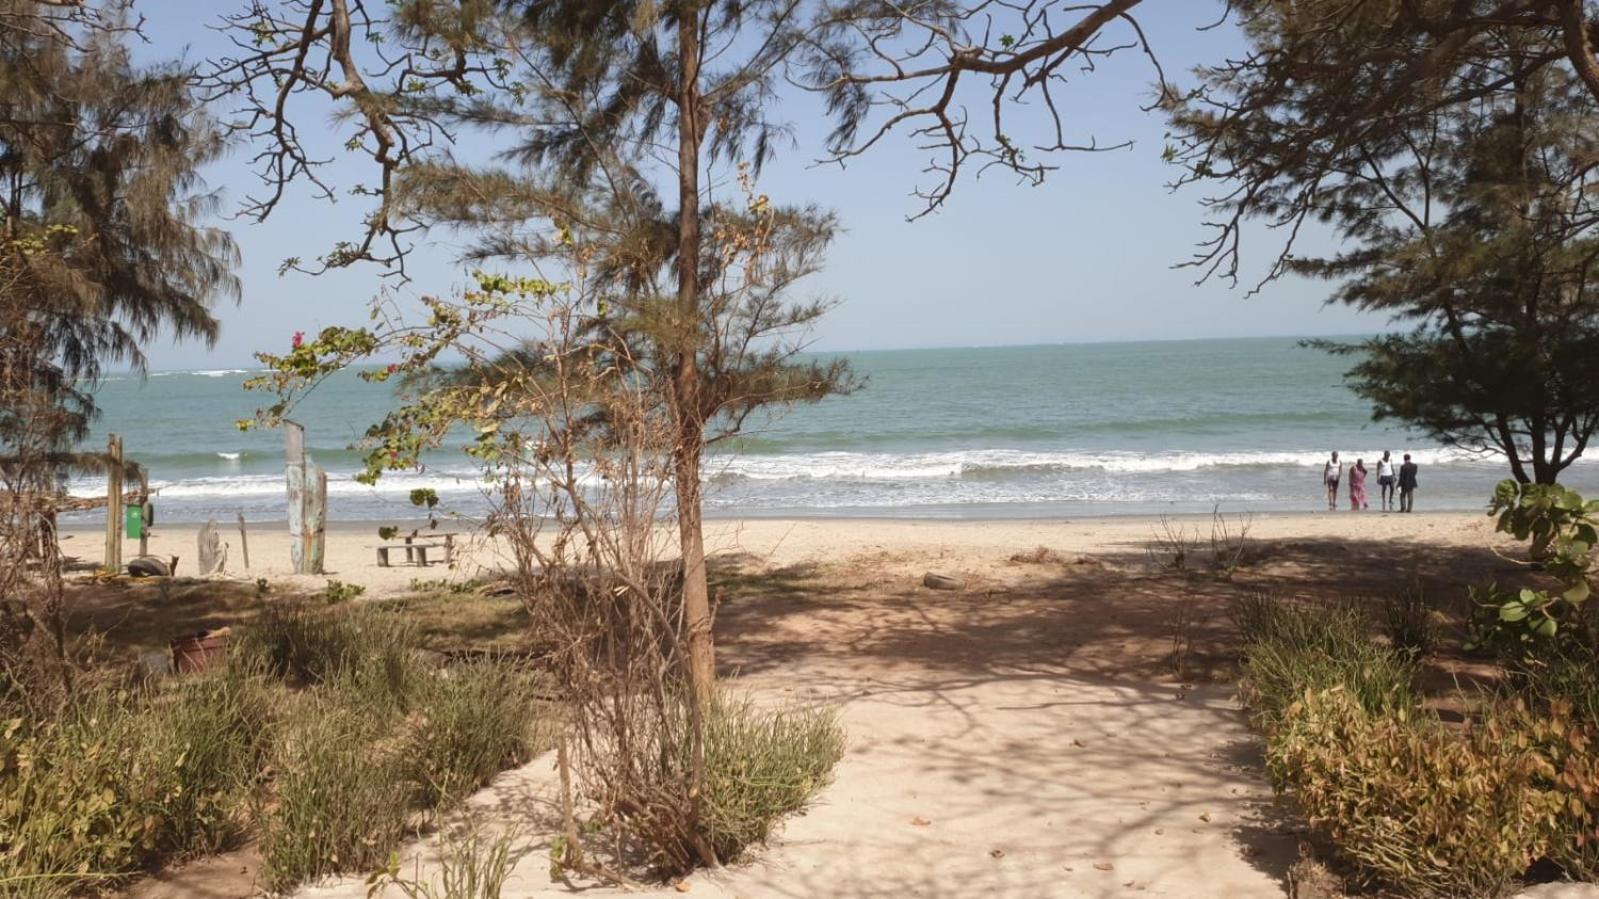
<point x="1466" y="215"/>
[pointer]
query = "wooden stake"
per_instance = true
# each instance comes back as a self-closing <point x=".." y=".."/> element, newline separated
<point x="144" y="512"/>
<point x="244" y="542"/>
<point x="113" y="508"/>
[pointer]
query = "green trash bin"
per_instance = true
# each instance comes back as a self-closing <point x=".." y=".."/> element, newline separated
<point x="133" y="522"/>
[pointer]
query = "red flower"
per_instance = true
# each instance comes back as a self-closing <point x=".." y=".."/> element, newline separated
<point x="299" y="338"/>
<point x="393" y="367"/>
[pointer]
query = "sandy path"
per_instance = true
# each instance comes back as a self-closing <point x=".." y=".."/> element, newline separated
<point x="1029" y="720"/>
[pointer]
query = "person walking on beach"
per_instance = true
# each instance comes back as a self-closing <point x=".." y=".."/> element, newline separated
<point x="1386" y="480"/>
<point x="1331" y="474"/>
<point x="1407" y="485"/>
<point x="1357" y="485"/>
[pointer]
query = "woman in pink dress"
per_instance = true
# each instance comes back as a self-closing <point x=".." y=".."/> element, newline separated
<point x="1357" y="486"/>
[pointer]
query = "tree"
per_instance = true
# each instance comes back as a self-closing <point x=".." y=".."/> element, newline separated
<point x="601" y="103"/>
<point x="1369" y="60"/>
<point x="1470" y="220"/>
<point x="99" y="253"/>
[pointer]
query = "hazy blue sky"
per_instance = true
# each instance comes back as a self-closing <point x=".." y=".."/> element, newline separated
<point x="1086" y="257"/>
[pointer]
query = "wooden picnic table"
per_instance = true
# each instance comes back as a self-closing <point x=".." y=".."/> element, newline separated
<point x="416" y="548"/>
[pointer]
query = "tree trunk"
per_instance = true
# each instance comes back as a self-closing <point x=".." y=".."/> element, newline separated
<point x="690" y="430"/>
<point x="689" y="413"/>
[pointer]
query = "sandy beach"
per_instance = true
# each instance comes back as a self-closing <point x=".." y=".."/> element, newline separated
<point x="971" y="545"/>
<point x="1026" y="735"/>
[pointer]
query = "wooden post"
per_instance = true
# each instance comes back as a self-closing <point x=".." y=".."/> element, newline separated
<point x="244" y="542"/>
<point x="113" y="507"/>
<point x="308" y="502"/>
<point x="144" y="510"/>
<point x="294" y="469"/>
<point x="316" y="517"/>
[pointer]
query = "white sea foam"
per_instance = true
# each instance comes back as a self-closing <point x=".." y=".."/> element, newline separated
<point x="850" y="466"/>
<point x="231" y="457"/>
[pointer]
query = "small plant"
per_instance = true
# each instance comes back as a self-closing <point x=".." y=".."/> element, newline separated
<point x="118" y="781"/>
<point x="1182" y="633"/>
<point x="388" y="532"/>
<point x="470" y="723"/>
<point x="1172" y="545"/>
<point x="471" y="866"/>
<point x="1229" y="543"/>
<point x="338" y="591"/>
<point x="1408" y="620"/>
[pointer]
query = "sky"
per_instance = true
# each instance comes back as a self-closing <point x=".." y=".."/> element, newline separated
<point x="1087" y="256"/>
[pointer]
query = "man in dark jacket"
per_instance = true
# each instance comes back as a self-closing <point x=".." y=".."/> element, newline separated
<point x="1407" y="484"/>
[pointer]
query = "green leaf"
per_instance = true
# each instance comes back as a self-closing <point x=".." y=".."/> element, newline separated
<point x="1545" y="628"/>
<point x="1577" y="592"/>
<point x="1512" y="611"/>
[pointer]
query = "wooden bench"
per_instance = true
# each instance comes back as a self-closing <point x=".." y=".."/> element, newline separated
<point x="415" y="553"/>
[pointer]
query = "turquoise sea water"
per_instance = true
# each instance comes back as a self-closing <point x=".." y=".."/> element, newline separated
<point x="1040" y="431"/>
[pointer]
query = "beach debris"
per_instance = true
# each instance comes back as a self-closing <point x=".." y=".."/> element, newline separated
<point x="996" y="853"/>
<point x="152" y="566"/>
<point x="212" y="557"/>
<point x="1038" y="555"/>
<point x="1104" y="866"/>
<point x="919" y="821"/>
<point x="156" y="663"/>
<point x="935" y="581"/>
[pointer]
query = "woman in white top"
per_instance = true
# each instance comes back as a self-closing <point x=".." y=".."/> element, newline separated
<point x="1385" y="479"/>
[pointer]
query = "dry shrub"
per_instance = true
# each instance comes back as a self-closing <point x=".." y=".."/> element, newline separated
<point x="1413" y="806"/>
<point x="1038" y="555"/>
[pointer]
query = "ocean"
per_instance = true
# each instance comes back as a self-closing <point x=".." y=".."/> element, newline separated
<point x="1004" y="432"/>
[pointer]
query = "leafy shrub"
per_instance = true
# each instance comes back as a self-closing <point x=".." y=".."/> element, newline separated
<point x="761" y="765"/>
<point x="340" y="799"/>
<point x="469" y="723"/>
<point x="338" y="591"/>
<point x="119" y="781"/>
<point x="1412" y="805"/>
<point x="1291" y="649"/>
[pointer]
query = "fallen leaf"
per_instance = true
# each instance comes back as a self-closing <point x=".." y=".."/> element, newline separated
<point x="919" y="821"/>
<point x="1104" y="866"/>
<point x="682" y="886"/>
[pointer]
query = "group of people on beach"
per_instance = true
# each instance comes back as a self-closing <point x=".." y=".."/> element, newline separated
<point x="1394" y="481"/>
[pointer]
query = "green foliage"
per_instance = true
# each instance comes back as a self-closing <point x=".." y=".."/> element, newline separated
<point x="1563" y="530"/>
<point x="315" y="646"/>
<point x="1292" y="648"/>
<point x="1408" y="620"/>
<point x="471" y="866"/>
<point x="469" y="723"/>
<point x="1414" y="805"/>
<point x="122" y="780"/>
<point x="338" y="591"/>
<point x="760" y="766"/>
<point x="341" y="802"/>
